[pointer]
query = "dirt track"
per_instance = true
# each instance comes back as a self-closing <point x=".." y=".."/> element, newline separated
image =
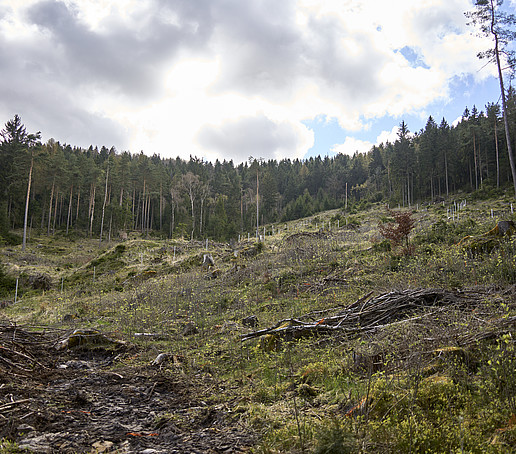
<point x="75" y="401"/>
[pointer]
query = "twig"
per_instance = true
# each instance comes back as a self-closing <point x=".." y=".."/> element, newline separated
<point x="11" y="404"/>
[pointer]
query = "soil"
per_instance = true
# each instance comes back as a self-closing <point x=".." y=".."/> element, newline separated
<point x="89" y="399"/>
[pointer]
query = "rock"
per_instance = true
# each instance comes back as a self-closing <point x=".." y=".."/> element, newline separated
<point x="102" y="446"/>
<point x="251" y="321"/>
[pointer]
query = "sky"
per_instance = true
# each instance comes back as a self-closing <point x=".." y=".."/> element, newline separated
<point x="231" y="79"/>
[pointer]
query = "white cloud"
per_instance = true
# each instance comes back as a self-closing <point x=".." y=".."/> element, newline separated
<point x="351" y="145"/>
<point x="225" y="78"/>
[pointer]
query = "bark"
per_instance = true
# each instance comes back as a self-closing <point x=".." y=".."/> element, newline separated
<point x="24" y="242"/>
<point x="50" y="207"/>
<point x="92" y="208"/>
<point x="475" y="161"/>
<point x="502" y="92"/>
<point x="78" y="202"/>
<point x="69" y="209"/>
<point x="104" y="207"/>
<point x="497" y="155"/>
<point x="55" y="213"/>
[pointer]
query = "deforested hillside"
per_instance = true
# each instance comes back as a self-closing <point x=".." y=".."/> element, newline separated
<point x="385" y="330"/>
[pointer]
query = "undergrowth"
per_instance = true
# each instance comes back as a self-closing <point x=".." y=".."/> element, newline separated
<point x="446" y="383"/>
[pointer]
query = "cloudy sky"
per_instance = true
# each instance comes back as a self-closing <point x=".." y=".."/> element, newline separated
<point x="229" y="79"/>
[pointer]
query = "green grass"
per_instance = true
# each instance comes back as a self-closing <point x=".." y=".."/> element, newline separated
<point x="436" y="395"/>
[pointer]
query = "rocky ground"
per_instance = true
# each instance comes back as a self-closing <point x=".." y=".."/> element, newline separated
<point x="60" y="398"/>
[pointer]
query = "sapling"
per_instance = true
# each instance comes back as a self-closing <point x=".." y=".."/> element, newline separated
<point x="398" y="232"/>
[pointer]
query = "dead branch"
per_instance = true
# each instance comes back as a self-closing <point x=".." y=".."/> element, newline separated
<point x="367" y="314"/>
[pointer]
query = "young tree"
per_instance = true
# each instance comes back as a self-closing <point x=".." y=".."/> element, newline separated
<point x="495" y="23"/>
<point x="398" y="232"/>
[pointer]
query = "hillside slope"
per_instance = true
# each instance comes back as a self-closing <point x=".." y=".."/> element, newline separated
<point x="321" y="338"/>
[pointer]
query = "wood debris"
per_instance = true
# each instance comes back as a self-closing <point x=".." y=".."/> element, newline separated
<point x="368" y="314"/>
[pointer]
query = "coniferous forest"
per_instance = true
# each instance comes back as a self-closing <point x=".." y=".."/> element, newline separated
<point x="102" y="192"/>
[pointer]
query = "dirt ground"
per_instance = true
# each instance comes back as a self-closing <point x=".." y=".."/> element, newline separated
<point x="89" y="400"/>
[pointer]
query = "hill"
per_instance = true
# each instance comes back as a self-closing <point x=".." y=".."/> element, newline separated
<point x="322" y="337"/>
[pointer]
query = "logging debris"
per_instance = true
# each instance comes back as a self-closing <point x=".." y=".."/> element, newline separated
<point x="369" y="314"/>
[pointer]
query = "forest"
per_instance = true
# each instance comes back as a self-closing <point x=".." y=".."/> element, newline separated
<point x="105" y="192"/>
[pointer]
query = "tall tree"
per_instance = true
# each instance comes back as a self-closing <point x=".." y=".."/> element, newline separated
<point x="14" y="152"/>
<point x="191" y="185"/>
<point x="492" y="111"/>
<point x="496" y="24"/>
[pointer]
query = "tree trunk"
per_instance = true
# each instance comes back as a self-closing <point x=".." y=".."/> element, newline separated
<point x="497" y="156"/>
<point x="92" y="208"/>
<point x="144" y="200"/>
<point x="104" y="207"/>
<point x="446" y="173"/>
<point x="55" y="213"/>
<point x="77" y="212"/>
<point x="160" y="206"/>
<point x="69" y="209"/>
<point x="475" y="161"/>
<point x="24" y="242"/>
<point x="502" y="92"/>
<point x="50" y="207"/>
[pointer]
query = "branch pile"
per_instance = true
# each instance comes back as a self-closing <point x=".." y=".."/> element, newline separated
<point x="22" y="350"/>
<point x="368" y="314"/>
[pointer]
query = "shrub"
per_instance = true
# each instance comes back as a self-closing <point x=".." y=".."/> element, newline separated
<point x="398" y="232"/>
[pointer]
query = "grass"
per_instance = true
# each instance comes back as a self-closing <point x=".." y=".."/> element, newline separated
<point x="436" y="393"/>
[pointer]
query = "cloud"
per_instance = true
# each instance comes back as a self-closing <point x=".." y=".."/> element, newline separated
<point x="256" y="136"/>
<point x="352" y="145"/>
<point x="225" y="78"/>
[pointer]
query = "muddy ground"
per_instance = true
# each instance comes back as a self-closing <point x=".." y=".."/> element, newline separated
<point x="90" y="400"/>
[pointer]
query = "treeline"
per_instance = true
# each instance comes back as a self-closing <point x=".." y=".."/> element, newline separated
<point x="100" y="192"/>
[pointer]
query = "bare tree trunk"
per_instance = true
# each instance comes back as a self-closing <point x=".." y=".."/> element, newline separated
<point x="24" y="242"/>
<point x="160" y="206"/>
<point x="133" y="201"/>
<point x="143" y="208"/>
<point x="92" y="208"/>
<point x="193" y="216"/>
<point x="497" y="156"/>
<point x="60" y="216"/>
<point x="137" y="211"/>
<point x="77" y="212"/>
<point x="104" y="207"/>
<point x="506" y="120"/>
<point x="150" y="215"/>
<point x="55" y="213"/>
<point x="446" y="173"/>
<point x="147" y="215"/>
<point x="69" y="209"/>
<point x="50" y="207"/>
<point x="257" y="203"/>
<point x="475" y="161"/>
